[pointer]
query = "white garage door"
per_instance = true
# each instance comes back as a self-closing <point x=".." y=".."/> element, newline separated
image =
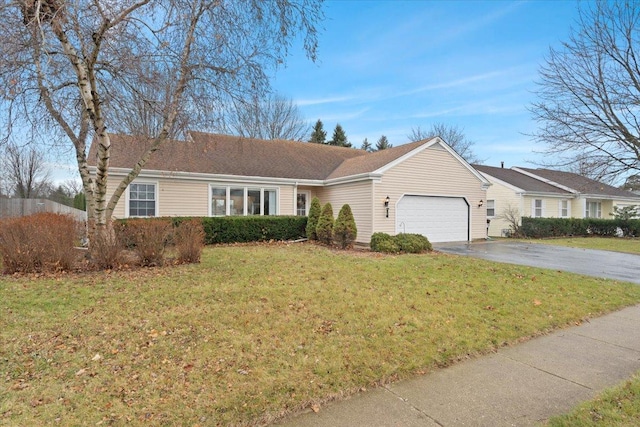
<point x="441" y="219"/>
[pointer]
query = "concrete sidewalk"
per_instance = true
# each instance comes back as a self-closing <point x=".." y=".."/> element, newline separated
<point x="517" y="386"/>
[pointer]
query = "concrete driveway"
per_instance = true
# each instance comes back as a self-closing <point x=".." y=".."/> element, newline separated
<point x="611" y="265"/>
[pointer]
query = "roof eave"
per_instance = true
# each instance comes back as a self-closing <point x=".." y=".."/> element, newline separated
<point x="369" y="176"/>
<point x="197" y="176"/>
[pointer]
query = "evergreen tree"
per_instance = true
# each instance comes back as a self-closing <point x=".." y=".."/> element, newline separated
<point x="312" y="219"/>
<point x="339" y="137"/>
<point x="318" y="134"/>
<point x="344" y="230"/>
<point x="324" y="229"/>
<point x="366" y="145"/>
<point x="383" y="143"/>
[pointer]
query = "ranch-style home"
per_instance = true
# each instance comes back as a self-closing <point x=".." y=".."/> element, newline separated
<point x="422" y="187"/>
<point x="548" y="193"/>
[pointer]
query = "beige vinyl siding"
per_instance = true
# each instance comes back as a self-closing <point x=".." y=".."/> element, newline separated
<point x="505" y="198"/>
<point x="112" y="184"/>
<point x="185" y="197"/>
<point x="433" y="172"/>
<point x="286" y="201"/>
<point x="358" y="196"/>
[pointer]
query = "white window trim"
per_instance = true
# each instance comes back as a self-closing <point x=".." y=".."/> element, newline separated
<point x="307" y="203"/>
<point x="568" y="208"/>
<point x="494" y="208"/>
<point x="126" y="197"/>
<point x="533" y="208"/>
<point x="599" y="209"/>
<point x="246" y="188"/>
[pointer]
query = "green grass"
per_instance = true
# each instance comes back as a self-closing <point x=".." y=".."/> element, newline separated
<point x="617" y="407"/>
<point x="256" y="332"/>
<point x="629" y="245"/>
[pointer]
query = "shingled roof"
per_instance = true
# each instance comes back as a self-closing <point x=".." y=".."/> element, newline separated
<point x="232" y="155"/>
<point x="520" y="180"/>
<point x="579" y="183"/>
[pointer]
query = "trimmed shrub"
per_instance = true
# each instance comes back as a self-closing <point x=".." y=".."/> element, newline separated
<point x="312" y="221"/>
<point x="147" y="238"/>
<point x="324" y="229"/>
<point x="561" y="227"/>
<point x="37" y="243"/>
<point x="242" y="229"/>
<point x="344" y="230"/>
<point x="412" y="243"/>
<point x="188" y="238"/>
<point x="403" y="242"/>
<point x="383" y="242"/>
<point x="105" y="247"/>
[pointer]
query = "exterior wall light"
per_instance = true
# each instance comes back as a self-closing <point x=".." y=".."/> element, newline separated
<point x="480" y="203"/>
<point x="386" y="205"/>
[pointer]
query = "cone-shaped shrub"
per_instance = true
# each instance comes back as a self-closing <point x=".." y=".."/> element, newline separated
<point x="312" y="220"/>
<point x="324" y="229"/>
<point x="344" y="230"/>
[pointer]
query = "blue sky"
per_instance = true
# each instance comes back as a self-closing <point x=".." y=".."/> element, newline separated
<point x="385" y="67"/>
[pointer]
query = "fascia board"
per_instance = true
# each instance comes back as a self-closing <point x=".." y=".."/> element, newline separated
<point x="214" y="177"/>
<point x="547" y="181"/>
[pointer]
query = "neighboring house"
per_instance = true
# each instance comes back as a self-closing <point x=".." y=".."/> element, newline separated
<point x="548" y="193"/>
<point x="421" y="187"/>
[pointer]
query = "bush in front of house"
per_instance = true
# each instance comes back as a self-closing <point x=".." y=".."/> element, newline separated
<point x="344" y="229"/>
<point x="403" y="242"/>
<point x="147" y="238"/>
<point x="538" y="228"/>
<point x="188" y="238"/>
<point x="42" y="242"/>
<point x="243" y="229"/>
<point x="383" y="242"/>
<point x="312" y="221"/>
<point x="412" y="243"/>
<point x="324" y="229"/>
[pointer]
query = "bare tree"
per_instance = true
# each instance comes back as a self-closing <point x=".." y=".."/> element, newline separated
<point x="511" y="215"/>
<point x="452" y="135"/>
<point x="25" y="172"/>
<point x="271" y="117"/>
<point x="589" y="90"/>
<point x="74" y="66"/>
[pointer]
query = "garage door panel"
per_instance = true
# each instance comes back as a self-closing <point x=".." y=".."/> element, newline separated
<point x="441" y="219"/>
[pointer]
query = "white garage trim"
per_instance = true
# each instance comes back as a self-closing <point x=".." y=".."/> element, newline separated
<point x="439" y="218"/>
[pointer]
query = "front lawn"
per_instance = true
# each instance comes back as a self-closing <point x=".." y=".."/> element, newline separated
<point x="629" y="245"/>
<point x="256" y="332"/>
<point x="618" y="406"/>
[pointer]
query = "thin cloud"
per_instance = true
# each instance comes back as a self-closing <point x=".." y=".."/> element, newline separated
<point x="320" y="101"/>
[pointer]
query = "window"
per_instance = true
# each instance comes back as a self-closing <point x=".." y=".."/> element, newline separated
<point x="491" y="208"/>
<point x="142" y="199"/>
<point x="218" y="201"/>
<point x="238" y="201"/>
<point x="564" y="209"/>
<point x="537" y="208"/>
<point x="270" y="202"/>
<point x="594" y="210"/>
<point x="301" y="206"/>
<point x="253" y="201"/>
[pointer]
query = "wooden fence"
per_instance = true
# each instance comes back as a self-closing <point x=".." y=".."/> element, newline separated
<point x="24" y="207"/>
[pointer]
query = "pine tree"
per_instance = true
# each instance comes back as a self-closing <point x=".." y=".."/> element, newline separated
<point x="339" y="137"/>
<point x="318" y="134"/>
<point x="344" y="230"/>
<point x="383" y="143"/>
<point x="312" y="219"/>
<point x="324" y="229"/>
<point x="366" y="145"/>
